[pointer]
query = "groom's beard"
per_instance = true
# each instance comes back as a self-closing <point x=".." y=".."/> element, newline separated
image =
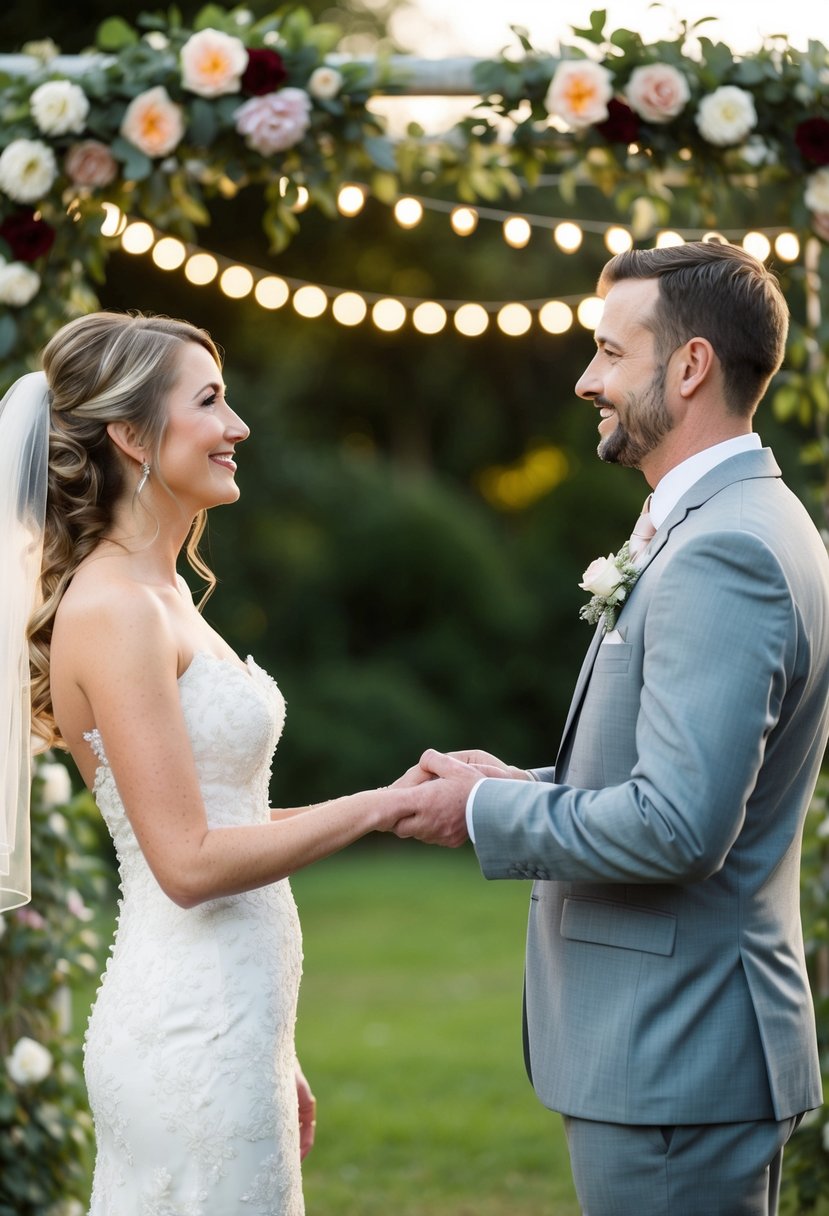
<point x="646" y="422"/>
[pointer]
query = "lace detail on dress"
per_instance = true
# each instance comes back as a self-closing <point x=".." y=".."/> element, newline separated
<point x="189" y="1053"/>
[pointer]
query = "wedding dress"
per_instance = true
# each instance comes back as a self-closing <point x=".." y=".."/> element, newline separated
<point x="189" y="1053"/>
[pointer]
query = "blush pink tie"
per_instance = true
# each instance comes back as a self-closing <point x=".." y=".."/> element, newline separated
<point x="642" y="533"/>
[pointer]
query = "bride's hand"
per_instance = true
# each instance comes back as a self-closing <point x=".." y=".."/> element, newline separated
<point x="307" y="1113"/>
<point x="489" y="765"/>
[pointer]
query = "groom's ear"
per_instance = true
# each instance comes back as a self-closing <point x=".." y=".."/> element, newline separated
<point x="698" y="364"/>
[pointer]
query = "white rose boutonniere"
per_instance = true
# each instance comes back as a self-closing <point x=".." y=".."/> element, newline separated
<point x="609" y="580"/>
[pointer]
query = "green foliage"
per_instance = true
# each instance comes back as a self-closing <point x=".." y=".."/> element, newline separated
<point x="46" y="949"/>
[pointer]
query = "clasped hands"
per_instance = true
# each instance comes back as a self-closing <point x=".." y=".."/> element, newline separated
<point x="445" y="780"/>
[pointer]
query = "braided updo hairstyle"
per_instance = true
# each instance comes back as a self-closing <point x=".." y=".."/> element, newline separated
<point x="101" y="368"/>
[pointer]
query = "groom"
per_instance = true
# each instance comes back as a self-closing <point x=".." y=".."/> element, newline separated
<point x="668" y="1014"/>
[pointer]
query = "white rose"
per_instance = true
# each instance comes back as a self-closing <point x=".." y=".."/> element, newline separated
<point x="602" y="577"/>
<point x="325" y="83"/>
<point x="59" y="106"/>
<point x="27" y="170"/>
<point x="57" y="784"/>
<point x="756" y="152"/>
<point x="18" y="284"/>
<point x="816" y="196"/>
<point x="726" y="116"/>
<point x="29" y="1062"/>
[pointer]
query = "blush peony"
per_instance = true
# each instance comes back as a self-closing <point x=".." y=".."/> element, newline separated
<point x="90" y="163"/>
<point x="657" y="92"/>
<point x="274" y="122"/>
<point x="212" y="63"/>
<point x="579" y="92"/>
<point x="153" y="123"/>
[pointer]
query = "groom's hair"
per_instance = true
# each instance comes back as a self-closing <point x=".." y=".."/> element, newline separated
<point x="717" y="291"/>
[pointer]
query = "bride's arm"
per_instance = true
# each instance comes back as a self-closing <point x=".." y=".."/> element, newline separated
<point x="126" y="665"/>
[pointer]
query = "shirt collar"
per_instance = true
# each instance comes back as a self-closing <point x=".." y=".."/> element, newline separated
<point x="678" y="480"/>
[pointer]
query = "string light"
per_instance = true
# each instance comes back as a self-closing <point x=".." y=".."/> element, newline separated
<point x="787" y="247"/>
<point x="351" y="200"/>
<point x="236" y="282"/>
<point x="272" y="292"/>
<point x="168" y="253"/>
<point x="513" y="318"/>
<point x="201" y="269"/>
<point x="618" y="240"/>
<point x="464" y="220"/>
<point x="757" y="244"/>
<point x="517" y="231"/>
<point x="137" y="237"/>
<point x="668" y="238"/>
<point x="114" y="220"/>
<point x="408" y="212"/>
<point x="568" y="236"/>
<point x="349" y="308"/>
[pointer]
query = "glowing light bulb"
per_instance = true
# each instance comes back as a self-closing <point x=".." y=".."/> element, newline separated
<point x="349" y="308"/>
<point x="464" y="220"/>
<point x="408" y="212"/>
<point x="351" y="200"/>
<point x="589" y="311"/>
<point x="617" y="240"/>
<point x="429" y="317"/>
<point x="114" y="220"/>
<point x="271" y="292"/>
<point x="787" y="246"/>
<point x="310" y="301"/>
<point x="200" y="269"/>
<point x="471" y="320"/>
<point x="169" y="253"/>
<point x="236" y="282"/>
<point x="568" y="236"/>
<point x="388" y="314"/>
<point x="667" y="239"/>
<point x="514" y="319"/>
<point x="137" y="237"/>
<point x="517" y="231"/>
<point x="555" y="316"/>
<point x="757" y="244"/>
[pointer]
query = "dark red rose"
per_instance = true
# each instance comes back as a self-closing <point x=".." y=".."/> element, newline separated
<point x="27" y="237"/>
<point x="264" y="74"/>
<point x="812" y="138"/>
<point x="621" y="125"/>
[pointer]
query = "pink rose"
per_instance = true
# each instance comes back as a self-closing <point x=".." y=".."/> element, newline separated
<point x="274" y="122"/>
<point x="90" y="163"/>
<point x="153" y="122"/>
<point x="657" y="92"/>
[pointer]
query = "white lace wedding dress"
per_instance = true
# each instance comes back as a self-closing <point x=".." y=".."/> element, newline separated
<point x="189" y="1054"/>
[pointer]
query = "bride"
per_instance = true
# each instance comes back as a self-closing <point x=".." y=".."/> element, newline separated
<point x="117" y="449"/>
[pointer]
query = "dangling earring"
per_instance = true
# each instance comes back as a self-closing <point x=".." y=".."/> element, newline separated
<point x="145" y="473"/>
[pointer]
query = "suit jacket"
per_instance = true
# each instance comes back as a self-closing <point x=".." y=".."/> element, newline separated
<point x="665" y="972"/>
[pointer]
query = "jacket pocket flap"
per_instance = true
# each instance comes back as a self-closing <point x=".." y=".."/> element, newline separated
<point x="622" y="925"/>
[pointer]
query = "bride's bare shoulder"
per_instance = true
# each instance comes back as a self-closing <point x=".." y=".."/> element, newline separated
<point x="104" y="608"/>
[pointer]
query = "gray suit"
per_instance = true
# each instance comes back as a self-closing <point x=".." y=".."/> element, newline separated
<point x="665" y="979"/>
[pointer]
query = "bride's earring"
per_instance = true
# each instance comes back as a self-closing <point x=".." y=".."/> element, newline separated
<point x="145" y="473"/>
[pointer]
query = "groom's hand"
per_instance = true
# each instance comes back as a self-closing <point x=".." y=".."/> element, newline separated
<point x="439" y="815"/>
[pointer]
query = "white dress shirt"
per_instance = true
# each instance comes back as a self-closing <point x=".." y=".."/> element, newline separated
<point x="676" y="482"/>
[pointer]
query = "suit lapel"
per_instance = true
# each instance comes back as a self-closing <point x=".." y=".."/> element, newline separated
<point x="742" y="467"/>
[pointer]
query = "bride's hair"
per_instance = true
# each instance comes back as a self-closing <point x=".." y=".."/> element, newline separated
<point x="101" y="368"/>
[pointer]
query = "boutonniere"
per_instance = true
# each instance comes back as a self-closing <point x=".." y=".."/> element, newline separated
<point x="609" y="580"/>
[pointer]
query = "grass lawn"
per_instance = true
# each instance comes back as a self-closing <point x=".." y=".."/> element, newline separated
<point x="410" y="1033"/>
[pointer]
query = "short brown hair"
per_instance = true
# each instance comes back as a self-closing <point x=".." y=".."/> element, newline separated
<point x="717" y="291"/>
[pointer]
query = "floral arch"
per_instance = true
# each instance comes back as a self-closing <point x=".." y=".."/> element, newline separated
<point x="165" y="117"/>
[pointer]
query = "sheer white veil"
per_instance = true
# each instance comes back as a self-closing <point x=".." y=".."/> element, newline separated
<point x="24" y="450"/>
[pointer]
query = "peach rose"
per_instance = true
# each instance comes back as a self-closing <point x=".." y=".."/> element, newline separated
<point x="657" y="92"/>
<point x="212" y="63"/>
<point x="153" y="122"/>
<point x="579" y="92"/>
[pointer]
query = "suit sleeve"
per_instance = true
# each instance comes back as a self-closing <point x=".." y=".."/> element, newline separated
<point x="720" y="632"/>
